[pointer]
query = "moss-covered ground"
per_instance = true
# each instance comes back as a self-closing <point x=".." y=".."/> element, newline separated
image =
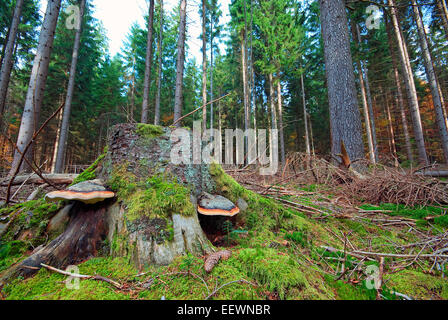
<point x="278" y="251"/>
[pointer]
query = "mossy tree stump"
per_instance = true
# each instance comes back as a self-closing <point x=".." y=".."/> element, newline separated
<point x="153" y="218"/>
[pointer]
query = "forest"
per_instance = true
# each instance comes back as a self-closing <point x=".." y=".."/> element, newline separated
<point x="348" y="95"/>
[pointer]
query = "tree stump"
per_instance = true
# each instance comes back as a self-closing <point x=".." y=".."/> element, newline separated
<point x="153" y="218"/>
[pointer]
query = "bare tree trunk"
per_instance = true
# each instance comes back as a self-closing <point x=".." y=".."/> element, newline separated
<point x="62" y="144"/>
<point x="272" y="102"/>
<point x="38" y="78"/>
<point x="180" y="62"/>
<point x="307" y="136"/>
<point x="148" y="65"/>
<point x="159" y="68"/>
<point x="211" y="67"/>
<point x="204" y="69"/>
<point x="362" y="87"/>
<point x="410" y="86"/>
<point x="280" y="123"/>
<point x="7" y="60"/>
<point x="345" y="119"/>
<point x="391" y="132"/>
<point x="437" y="98"/>
<point x="365" y="73"/>
<point x="245" y="89"/>
<point x="399" y="96"/>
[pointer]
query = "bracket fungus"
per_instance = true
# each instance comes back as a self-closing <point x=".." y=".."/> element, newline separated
<point x="87" y="192"/>
<point x="214" y="205"/>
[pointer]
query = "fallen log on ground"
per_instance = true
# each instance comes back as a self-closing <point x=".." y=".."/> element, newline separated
<point x="434" y="173"/>
<point x="53" y="178"/>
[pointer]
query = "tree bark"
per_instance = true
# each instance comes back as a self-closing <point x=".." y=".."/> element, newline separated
<point x="410" y="86"/>
<point x="345" y="119"/>
<point x="180" y="62"/>
<point x="305" y="120"/>
<point x="365" y="74"/>
<point x="280" y="123"/>
<point x="148" y="64"/>
<point x="36" y="87"/>
<point x="8" y="57"/>
<point x="159" y="68"/>
<point x="204" y="69"/>
<point x="62" y="144"/>
<point x="399" y="94"/>
<point x="437" y="97"/>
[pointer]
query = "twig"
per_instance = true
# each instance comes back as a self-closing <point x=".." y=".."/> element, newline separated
<point x="25" y="150"/>
<point x="226" y="284"/>
<point x="200" y="108"/>
<point x="82" y="276"/>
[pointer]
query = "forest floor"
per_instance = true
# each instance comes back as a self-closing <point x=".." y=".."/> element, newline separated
<point x="330" y="243"/>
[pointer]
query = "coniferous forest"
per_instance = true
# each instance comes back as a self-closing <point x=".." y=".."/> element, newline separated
<point x="294" y="150"/>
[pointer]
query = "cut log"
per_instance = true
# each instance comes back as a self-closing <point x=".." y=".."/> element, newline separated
<point x="434" y="173"/>
<point x="53" y="178"/>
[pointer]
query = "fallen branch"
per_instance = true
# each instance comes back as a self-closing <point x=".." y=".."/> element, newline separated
<point x="54" y="178"/>
<point x="82" y="276"/>
<point x="387" y="255"/>
<point x="25" y="150"/>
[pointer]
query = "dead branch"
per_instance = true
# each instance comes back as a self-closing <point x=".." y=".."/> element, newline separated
<point x="81" y="276"/>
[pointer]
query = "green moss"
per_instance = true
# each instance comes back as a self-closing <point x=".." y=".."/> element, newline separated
<point x="346" y="291"/>
<point x="418" y="285"/>
<point x="47" y="285"/>
<point x="149" y="130"/>
<point x="90" y="172"/>
<point x="418" y="213"/>
<point x="11" y="252"/>
<point x="271" y="268"/>
<point x="31" y="215"/>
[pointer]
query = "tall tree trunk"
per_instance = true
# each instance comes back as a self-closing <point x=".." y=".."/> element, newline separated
<point x="245" y="88"/>
<point x="7" y="59"/>
<point x="148" y="65"/>
<point x="433" y="82"/>
<point x="391" y="132"/>
<point x="280" y="123"/>
<point x="345" y="119"/>
<point x="307" y="136"/>
<point x="399" y="96"/>
<point x="159" y="67"/>
<point x="38" y="78"/>
<point x="365" y="73"/>
<point x="410" y="86"/>
<point x="272" y="102"/>
<point x="211" y="67"/>
<point x="365" y="103"/>
<point x="204" y="69"/>
<point x="180" y="62"/>
<point x="62" y="144"/>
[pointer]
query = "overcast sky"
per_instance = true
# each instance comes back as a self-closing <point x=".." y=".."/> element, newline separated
<point x="117" y="17"/>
